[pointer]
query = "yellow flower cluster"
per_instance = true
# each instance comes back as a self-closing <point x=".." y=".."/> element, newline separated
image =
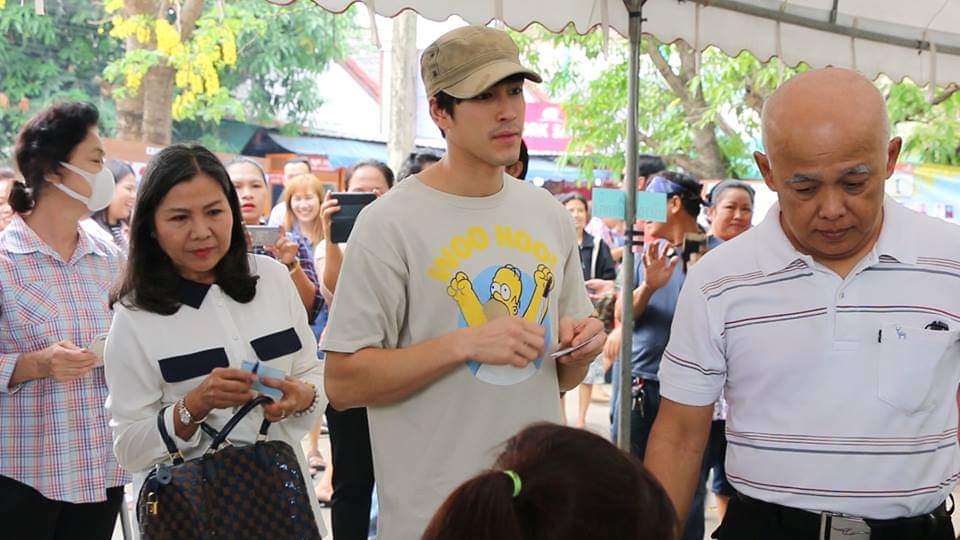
<point x="112" y="6"/>
<point x="133" y="78"/>
<point x="181" y="103"/>
<point x="3" y="4"/>
<point x="228" y="48"/>
<point x="167" y="37"/>
<point x="124" y="27"/>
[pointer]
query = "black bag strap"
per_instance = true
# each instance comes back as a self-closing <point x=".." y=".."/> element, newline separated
<point x="232" y="423"/>
<point x="172" y="451"/>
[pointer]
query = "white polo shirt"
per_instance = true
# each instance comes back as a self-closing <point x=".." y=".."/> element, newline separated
<point x="841" y="394"/>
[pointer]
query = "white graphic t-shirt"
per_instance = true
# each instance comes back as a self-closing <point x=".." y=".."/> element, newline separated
<point x="423" y="263"/>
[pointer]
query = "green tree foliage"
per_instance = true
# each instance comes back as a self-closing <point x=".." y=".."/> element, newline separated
<point x="45" y="58"/>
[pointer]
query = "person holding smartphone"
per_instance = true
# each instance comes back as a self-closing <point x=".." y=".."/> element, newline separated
<point x="58" y="475"/>
<point x="348" y="483"/>
<point x="251" y="187"/>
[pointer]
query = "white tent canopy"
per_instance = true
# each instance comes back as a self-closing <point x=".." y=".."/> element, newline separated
<point x="919" y="39"/>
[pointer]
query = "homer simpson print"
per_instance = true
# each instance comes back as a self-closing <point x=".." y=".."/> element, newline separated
<point x="501" y="290"/>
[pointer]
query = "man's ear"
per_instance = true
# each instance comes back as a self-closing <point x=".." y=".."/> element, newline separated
<point x="440" y="117"/>
<point x="674" y="205"/>
<point x="763" y="163"/>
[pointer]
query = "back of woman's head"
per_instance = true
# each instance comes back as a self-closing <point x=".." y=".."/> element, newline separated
<point x="570" y="484"/>
<point x="46" y="140"/>
<point x="150" y="280"/>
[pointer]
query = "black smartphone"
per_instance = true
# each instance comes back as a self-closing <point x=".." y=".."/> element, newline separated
<point x="350" y="206"/>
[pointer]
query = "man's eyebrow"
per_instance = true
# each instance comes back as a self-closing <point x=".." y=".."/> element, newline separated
<point x="857" y="170"/>
<point x="799" y="178"/>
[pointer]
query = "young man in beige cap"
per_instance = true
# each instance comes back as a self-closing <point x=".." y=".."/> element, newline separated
<point x="458" y="286"/>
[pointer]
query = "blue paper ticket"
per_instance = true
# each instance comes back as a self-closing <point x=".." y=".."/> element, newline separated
<point x="261" y="370"/>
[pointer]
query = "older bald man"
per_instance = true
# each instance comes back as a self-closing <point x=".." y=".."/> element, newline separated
<point x="834" y="329"/>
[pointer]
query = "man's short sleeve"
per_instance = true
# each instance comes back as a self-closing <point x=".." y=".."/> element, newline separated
<point x="369" y="302"/>
<point x="693" y="369"/>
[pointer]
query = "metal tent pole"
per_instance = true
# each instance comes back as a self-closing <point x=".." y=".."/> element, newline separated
<point x="625" y="401"/>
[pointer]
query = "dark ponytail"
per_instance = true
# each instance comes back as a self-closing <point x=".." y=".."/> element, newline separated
<point x="573" y="485"/>
<point x="21" y="197"/>
<point x="483" y="508"/>
<point x="45" y="140"/>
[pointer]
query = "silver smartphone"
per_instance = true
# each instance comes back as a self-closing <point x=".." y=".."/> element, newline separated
<point x="263" y="235"/>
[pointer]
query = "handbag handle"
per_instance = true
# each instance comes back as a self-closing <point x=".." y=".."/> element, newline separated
<point x="176" y="455"/>
<point x="232" y="423"/>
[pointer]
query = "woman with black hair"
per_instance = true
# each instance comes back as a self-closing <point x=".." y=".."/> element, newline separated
<point x="193" y="307"/>
<point x="115" y="218"/>
<point x="557" y="483"/>
<point x="58" y="476"/>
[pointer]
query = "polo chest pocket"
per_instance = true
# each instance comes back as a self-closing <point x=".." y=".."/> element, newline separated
<point x="184" y="367"/>
<point x="912" y="367"/>
<point x="278" y="344"/>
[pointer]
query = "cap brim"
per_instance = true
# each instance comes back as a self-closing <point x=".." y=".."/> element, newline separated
<point x="486" y="77"/>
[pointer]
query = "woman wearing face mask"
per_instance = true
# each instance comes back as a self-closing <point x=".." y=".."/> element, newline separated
<point x="58" y="475"/>
<point x="115" y="218"/>
<point x="730" y="213"/>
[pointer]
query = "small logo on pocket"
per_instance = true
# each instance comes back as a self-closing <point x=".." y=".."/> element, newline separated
<point x="901" y="334"/>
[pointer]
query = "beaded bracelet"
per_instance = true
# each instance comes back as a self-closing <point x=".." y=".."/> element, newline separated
<point x="313" y="404"/>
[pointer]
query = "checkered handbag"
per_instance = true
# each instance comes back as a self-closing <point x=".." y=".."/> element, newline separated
<point x="254" y="491"/>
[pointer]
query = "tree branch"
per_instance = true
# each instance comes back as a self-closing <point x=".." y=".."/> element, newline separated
<point x="950" y="90"/>
<point x="677" y="86"/>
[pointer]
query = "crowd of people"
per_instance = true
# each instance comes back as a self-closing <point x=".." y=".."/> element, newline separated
<point x="806" y="367"/>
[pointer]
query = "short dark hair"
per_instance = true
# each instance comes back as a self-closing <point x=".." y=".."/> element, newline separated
<point x="415" y="163"/>
<point x="573" y="484"/>
<point x="150" y="281"/>
<point x="298" y="159"/>
<point x="376" y="164"/>
<point x="690" y="197"/>
<point x="649" y="165"/>
<point x="45" y="140"/>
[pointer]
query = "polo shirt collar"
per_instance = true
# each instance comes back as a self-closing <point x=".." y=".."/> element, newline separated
<point x="897" y="238"/>
<point x="192" y="293"/>
<point x="587" y="240"/>
<point x="776" y="252"/>
<point x="20" y="238"/>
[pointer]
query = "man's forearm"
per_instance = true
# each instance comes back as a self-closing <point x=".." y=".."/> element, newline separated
<point x="569" y="376"/>
<point x="674" y="455"/>
<point x="641" y="297"/>
<point x="384" y="376"/>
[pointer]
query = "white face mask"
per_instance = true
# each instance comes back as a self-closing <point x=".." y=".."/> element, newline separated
<point x="101" y="188"/>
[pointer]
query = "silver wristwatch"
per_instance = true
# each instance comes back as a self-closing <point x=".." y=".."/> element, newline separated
<point x="185" y="417"/>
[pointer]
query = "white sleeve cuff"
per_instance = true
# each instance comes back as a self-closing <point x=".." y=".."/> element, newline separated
<point x="685" y="396"/>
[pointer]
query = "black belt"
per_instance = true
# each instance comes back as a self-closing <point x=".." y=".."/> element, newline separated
<point x="804" y="521"/>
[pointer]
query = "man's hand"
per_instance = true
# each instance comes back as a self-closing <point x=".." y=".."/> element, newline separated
<point x="657" y="266"/>
<point x="505" y="341"/>
<point x="573" y="333"/>
<point x="65" y="362"/>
